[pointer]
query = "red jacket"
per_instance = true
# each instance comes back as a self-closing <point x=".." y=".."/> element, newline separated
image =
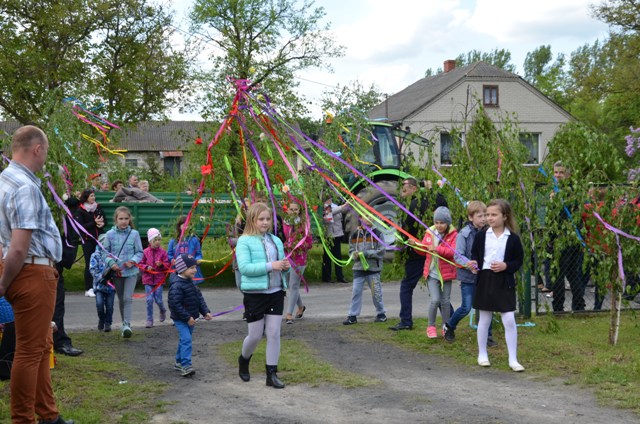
<point x="446" y="250"/>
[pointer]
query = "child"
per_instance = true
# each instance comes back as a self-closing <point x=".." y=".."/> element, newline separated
<point x="437" y="269"/>
<point x="263" y="270"/>
<point x="105" y="294"/>
<point x="154" y="261"/>
<point x="497" y="254"/>
<point x="476" y="211"/>
<point x="296" y="230"/>
<point x="124" y="249"/>
<point x="189" y="245"/>
<point x="368" y="255"/>
<point x="186" y="304"/>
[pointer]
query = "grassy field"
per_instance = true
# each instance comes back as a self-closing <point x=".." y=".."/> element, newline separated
<point x="571" y="348"/>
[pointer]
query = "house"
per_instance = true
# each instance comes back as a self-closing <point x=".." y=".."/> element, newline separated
<point x="436" y="105"/>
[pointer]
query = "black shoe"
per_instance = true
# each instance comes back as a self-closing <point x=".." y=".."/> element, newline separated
<point x="69" y="350"/>
<point x="243" y="368"/>
<point x="272" y="377"/>
<point x="491" y="342"/>
<point x="343" y="281"/>
<point x="449" y="333"/>
<point x="399" y="327"/>
<point x="380" y="318"/>
<point x="350" y="320"/>
<point x="59" y="420"/>
<point x="107" y="328"/>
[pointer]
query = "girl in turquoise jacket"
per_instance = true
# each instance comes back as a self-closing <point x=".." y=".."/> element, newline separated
<point x="263" y="268"/>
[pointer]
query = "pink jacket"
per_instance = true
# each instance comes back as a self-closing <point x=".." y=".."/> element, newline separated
<point x="446" y="250"/>
<point x="149" y="258"/>
<point x="293" y="234"/>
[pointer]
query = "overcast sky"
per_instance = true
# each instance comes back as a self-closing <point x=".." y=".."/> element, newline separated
<point x="392" y="43"/>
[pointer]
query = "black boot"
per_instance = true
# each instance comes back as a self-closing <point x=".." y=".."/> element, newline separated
<point x="272" y="378"/>
<point x="243" y="368"/>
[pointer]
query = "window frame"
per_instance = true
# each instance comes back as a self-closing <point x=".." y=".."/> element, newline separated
<point x="490" y="87"/>
<point x="526" y="136"/>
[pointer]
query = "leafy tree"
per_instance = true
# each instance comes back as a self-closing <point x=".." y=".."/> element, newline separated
<point x="498" y="57"/>
<point x="622" y="13"/>
<point x="116" y="52"/>
<point x="546" y="76"/>
<point x="264" y="42"/>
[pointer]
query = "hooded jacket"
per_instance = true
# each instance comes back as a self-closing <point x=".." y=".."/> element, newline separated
<point x="362" y="241"/>
<point x="446" y="250"/>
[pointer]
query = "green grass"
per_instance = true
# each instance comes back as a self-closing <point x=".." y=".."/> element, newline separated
<point x="574" y="348"/>
<point x="100" y="386"/>
<point x="298" y="364"/>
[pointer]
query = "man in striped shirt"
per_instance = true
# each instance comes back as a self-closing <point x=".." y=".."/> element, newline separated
<point x="28" y="278"/>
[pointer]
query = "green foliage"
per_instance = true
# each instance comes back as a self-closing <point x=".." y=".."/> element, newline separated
<point x="497" y="57"/>
<point x="546" y="76"/>
<point x="117" y="53"/>
<point x="265" y="42"/>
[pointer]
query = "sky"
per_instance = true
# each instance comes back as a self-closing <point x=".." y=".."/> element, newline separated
<point x="392" y="43"/>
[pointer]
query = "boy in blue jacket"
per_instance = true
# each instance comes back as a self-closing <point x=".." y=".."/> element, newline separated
<point x="186" y="304"/>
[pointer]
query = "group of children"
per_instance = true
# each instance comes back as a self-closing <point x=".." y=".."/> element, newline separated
<point x="116" y="262"/>
<point x="483" y="258"/>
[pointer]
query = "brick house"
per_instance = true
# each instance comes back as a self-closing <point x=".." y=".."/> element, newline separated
<point x="433" y="106"/>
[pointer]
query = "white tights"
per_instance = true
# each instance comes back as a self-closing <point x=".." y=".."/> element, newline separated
<point x="510" y="335"/>
<point x="270" y="326"/>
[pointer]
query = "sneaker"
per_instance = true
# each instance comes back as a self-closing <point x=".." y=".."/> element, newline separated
<point x="449" y="333"/>
<point x="163" y="315"/>
<point x="100" y="326"/>
<point x="188" y="371"/>
<point x="126" y="331"/>
<point x="380" y="318"/>
<point x="350" y="320"/>
<point x="432" y="333"/>
<point x="149" y="324"/>
<point x="107" y="328"/>
<point x="89" y="293"/>
<point x="177" y="366"/>
<point x="491" y="342"/>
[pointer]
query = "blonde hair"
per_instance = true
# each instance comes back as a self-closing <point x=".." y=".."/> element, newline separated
<point x="254" y="211"/>
<point x="474" y="207"/>
<point x="506" y="210"/>
<point x="123" y="209"/>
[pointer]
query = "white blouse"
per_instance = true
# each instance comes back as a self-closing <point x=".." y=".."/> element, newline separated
<point x="494" y="247"/>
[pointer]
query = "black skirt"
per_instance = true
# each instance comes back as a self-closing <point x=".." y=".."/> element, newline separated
<point x="492" y="293"/>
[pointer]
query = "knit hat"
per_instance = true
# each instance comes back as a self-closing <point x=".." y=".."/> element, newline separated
<point x="153" y="233"/>
<point x="184" y="262"/>
<point x="442" y="214"/>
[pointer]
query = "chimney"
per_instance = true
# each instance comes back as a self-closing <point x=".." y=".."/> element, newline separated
<point x="449" y="65"/>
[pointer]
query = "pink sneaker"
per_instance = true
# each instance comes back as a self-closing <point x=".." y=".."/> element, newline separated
<point x="432" y="333"/>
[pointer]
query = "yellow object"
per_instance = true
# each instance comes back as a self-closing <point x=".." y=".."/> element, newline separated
<point x="52" y="359"/>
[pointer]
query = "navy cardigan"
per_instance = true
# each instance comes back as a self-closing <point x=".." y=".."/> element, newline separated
<point x="513" y="255"/>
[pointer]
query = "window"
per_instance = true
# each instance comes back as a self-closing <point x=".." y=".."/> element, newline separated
<point x="172" y="166"/>
<point x="490" y="95"/>
<point x="131" y="163"/>
<point x="446" y="148"/>
<point x="531" y="141"/>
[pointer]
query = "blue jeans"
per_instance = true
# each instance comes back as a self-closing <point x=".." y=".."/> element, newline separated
<point x="468" y="290"/>
<point x="183" y="354"/>
<point x="104" y="305"/>
<point x="373" y="281"/>
<point x="151" y="298"/>
<point x="413" y="270"/>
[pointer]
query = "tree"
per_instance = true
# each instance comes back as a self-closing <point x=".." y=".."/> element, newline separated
<point x="546" y="76"/>
<point x="264" y="42"/>
<point x="135" y="68"/>
<point x="116" y="52"/>
<point x="622" y="13"/>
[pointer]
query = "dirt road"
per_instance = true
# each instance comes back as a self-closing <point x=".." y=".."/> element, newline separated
<point x="411" y="386"/>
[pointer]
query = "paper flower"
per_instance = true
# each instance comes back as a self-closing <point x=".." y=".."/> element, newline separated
<point x="270" y="163"/>
<point x="205" y="169"/>
<point x="285" y="188"/>
<point x="199" y="140"/>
